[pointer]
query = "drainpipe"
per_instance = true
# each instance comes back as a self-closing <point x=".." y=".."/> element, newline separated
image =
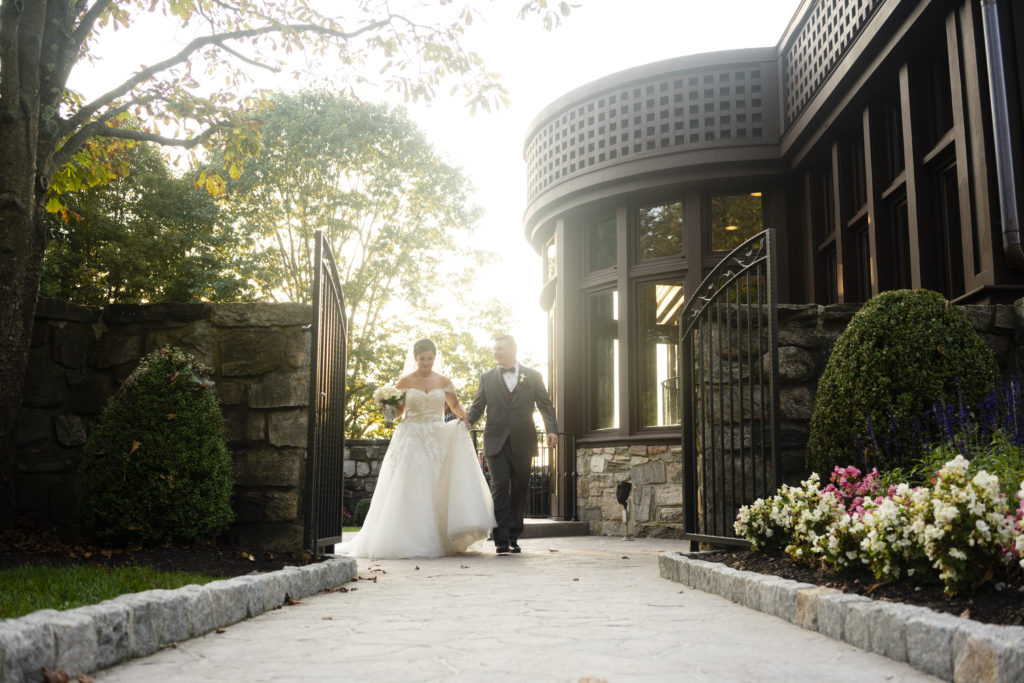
<point x="1013" y="245"/>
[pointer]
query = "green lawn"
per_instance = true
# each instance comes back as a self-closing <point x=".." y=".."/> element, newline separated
<point x="32" y="587"/>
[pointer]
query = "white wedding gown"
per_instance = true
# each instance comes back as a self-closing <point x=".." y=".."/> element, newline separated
<point x="431" y="498"/>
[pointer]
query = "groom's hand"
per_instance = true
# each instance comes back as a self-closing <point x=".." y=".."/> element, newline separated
<point x="552" y="440"/>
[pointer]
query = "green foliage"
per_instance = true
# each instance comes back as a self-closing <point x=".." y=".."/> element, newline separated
<point x="32" y="587"/>
<point x="156" y="468"/>
<point x="398" y="218"/>
<point x="149" y="236"/>
<point x="1001" y="457"/>
<point x="362" y="507"/>
<point x="902" y="351"/>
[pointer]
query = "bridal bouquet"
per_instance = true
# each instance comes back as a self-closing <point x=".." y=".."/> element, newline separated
<point x="387" y="398"/>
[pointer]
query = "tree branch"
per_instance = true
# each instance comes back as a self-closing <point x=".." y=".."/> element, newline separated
<point x="72" y="145"/>
<point x="217" y="40"/>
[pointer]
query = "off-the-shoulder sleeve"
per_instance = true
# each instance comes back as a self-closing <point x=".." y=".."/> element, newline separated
<point x="450" y="389"/>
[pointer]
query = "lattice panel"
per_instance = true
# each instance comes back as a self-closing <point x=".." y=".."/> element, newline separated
<point x="828" y="31"/>
<point x="674" y="111"/>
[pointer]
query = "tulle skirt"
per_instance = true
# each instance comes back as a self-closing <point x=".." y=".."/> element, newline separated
<point x="431" y="498"/>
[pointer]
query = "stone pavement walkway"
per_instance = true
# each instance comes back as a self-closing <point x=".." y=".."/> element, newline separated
<point x="567" y="609"/>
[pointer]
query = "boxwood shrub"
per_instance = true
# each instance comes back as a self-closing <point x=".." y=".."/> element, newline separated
<point x="156" y="468"/>
<point x="901" y="352"/>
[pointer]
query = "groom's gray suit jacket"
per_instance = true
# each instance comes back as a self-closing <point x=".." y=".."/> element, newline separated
<point x="510" y="415"/>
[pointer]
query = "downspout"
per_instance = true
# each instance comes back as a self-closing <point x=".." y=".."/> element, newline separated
<point x="1013" y="245"/>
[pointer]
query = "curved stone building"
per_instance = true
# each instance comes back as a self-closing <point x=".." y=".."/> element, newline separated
<point x="881" y="139"/>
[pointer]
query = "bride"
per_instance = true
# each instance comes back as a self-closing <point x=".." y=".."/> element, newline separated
<point x="431" y="498"/>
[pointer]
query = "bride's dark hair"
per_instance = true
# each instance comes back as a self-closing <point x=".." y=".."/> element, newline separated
<point x="422" y="345"/>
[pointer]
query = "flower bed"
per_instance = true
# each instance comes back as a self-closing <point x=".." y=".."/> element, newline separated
<point x="960" y="531"/>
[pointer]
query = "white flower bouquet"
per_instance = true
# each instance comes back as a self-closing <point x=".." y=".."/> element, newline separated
<point x="388" y="398"/>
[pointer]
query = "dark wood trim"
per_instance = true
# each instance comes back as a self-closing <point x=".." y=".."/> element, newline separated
<point x="963" y="170"/>
<point x="837" y="221"/>
<point x="977" y="122"/>
<point x="844" y="93"/>
<point x="625" y="219"/>
<point x="910" y="173"/>
<point x="895" y="186"/>
<point x="869" y="202"/>
<point x="809" y="250"/>
<point x="857" y="217"/>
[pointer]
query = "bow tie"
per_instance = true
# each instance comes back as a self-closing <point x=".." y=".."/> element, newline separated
<point x="511" y="369"/>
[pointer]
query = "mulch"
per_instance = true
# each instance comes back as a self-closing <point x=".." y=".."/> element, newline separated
<point x="989" y="605"/>
<point x="29" y="546"/>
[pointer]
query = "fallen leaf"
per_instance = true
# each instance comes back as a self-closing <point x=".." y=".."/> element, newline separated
<point x="55" y="676"/>
<point x="625" y="557"/>
<point x="171" y="416"/>
<point x="576" y="579"/>
<point x="682" y="591"/>
<point x="462" y="566"/>
<point x="83" y="678"/>
<point x="135" y="446"/>
<point x="326" y="618"/>
<point x="966" y="614"/>
<point x="417" y="567"/>
<point x="289" y="601"/>
<point x="221" y="629"/>
<point x="552" y="550"/>
<point x="174" y="377"/>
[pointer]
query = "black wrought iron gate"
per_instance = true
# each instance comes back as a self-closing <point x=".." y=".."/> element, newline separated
<point x="326" y="438"/>
<point x="729" y="362"/>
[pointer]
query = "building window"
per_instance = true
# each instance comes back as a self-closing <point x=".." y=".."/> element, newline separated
<point x="550" y="260"/>
<point x="661" y="231"/>
<point x="734" y="219"/>
<point x="823" y="215"/>
<point x="853" y="182"/>
<point x="828" y="275"/>
<point x="659" y="307"/>
<point x="892" y="142"/>
<point x="603" y="355"/>
<point x="601" y="244"/>
<point x="894" y="247"/>
<point x="942" y="267"/>
<point x="939" y="98"/>
<point x="858" y="263"/>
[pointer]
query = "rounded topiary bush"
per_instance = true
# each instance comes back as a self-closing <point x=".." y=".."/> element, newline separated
<point x="901" y="352"/>
<point x="362" y="507"/>
<point x="156" y="468"/>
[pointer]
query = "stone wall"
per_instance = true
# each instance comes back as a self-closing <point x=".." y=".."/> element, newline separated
<point x="260" y="356"/>
<point x="362" y="465"/>
<point x="806" y="336"/>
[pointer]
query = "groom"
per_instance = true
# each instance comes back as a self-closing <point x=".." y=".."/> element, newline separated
<point x="509" y="393"/>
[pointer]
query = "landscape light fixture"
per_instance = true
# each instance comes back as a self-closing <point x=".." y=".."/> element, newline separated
<point x="622" y="495"/>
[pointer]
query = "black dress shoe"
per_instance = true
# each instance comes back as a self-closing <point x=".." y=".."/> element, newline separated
<point x="501" y="549"/>
<point x="513" y="547"/>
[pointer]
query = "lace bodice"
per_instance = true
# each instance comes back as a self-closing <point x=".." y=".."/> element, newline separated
<point x="425" y="406"/>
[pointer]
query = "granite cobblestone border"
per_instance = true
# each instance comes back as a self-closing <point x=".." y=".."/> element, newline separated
<point x="945" y="646"/>
<point x="94" y="637"/>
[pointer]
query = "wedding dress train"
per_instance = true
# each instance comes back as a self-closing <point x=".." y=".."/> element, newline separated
<point x="431" y="498"/>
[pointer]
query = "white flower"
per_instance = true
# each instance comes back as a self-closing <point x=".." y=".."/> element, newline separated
<point x="388" y="394"/>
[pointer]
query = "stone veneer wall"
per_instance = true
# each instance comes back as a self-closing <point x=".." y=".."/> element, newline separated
<point x="362" y="465"/>
<point x="260" y="356"/>
<point x="806" y="336"/>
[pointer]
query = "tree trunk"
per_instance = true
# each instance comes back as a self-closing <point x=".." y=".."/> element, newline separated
<point x="21" y="257"/>
<point x="22" y="234"/>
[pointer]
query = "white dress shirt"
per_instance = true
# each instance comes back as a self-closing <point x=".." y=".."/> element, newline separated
<point x="511" y="377"/>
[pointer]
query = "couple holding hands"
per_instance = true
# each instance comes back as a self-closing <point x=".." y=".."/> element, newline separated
<point x="431" y="498"/>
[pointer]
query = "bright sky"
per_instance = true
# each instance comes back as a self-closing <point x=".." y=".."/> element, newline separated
<point x="599" y="38"/>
